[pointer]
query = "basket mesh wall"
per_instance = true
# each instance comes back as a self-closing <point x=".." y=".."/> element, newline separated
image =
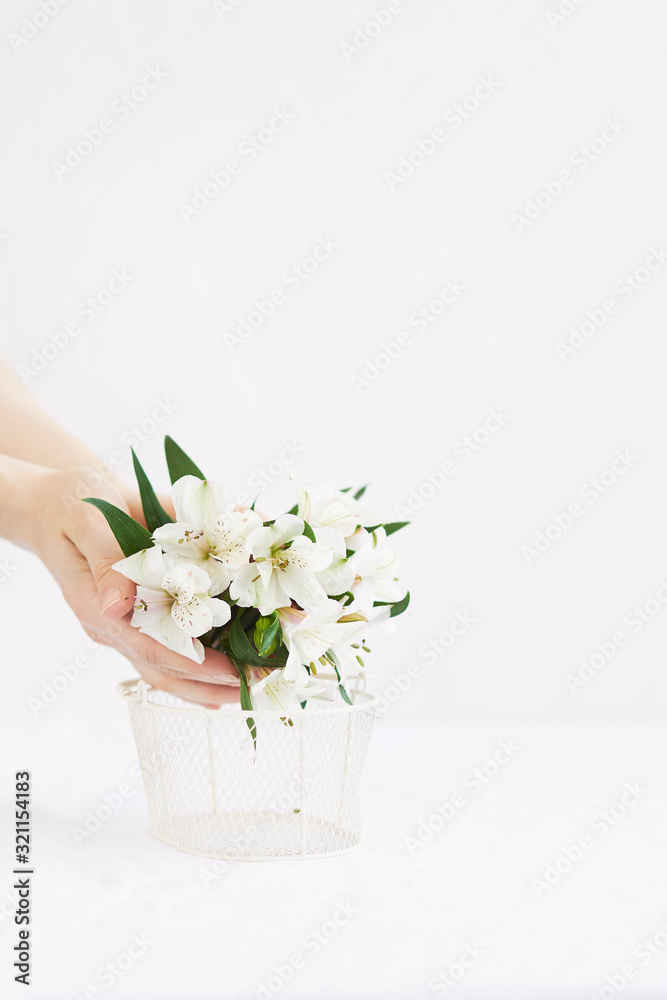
<point x="211" y="793"/>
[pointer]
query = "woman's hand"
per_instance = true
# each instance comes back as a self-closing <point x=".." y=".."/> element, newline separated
<point x="77" y="546"/>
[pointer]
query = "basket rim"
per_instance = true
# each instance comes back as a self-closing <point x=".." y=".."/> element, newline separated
<point x="138" y="692"/>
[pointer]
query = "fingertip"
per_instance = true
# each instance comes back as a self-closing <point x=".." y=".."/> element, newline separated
<point x="116" y="605"/>
<point x="216" y="658"/>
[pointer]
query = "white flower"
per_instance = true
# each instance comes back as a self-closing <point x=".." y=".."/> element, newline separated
<point x="208" y="532"/>
<point x="173" y="603"/>
<point x="339" y="576"/>
<point x="326" y="507"/>
<point x="271" y="690"/>
<point x="309" y="636"/>
<point x="284" y="568"/>
<point x="376" y="571"/>
<point x="346" y="653"/>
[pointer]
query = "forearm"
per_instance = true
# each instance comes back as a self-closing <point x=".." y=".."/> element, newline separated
<point x="18" y="485"/>
<point x="28" y="433"/>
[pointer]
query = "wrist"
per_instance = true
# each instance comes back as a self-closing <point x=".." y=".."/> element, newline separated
<point x="19" y="500"/>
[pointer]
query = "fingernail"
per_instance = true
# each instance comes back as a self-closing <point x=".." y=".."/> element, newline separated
<point x="110" y="598"/>
<point x="228" y="679"/>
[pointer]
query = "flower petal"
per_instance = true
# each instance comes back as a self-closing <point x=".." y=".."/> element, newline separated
<point x="199" y="501"/>
<point x="185" y="580"/>
<point x="167" y="632"/>
<point x="220" y="610"/>
<point x="195" y="617"/>
<point x="263" y="540"/>
<point x="182" y="540"/>
<point x="307" y="555"/>
<point x="145" y="568"/>
<point x="301" y="587"/>
<point x="150" y="606"/>
<point x="249" y="590"/>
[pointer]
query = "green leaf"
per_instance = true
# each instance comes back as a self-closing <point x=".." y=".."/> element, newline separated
<point x="344" y="695"/>
<point x="293" y="509"/>
<point x="267" y="634"/>
<point x="395" y="526"/>
<point x="248" y="617"/>
<point x="389" y="528"/>
<point x="348" y="595"/>
<point x="130" y="535"/>
<point x="308" y="531"/>
<point x="178" y="463"/>
<point x="397" y="607"/>
<point x="400" y="606"/>
<point x="358" y="495"/>
<point x="154" y="512"/>
<point x="246" y="700"/>
<point x="244" y="651"/>
<point x="334" y="663"/>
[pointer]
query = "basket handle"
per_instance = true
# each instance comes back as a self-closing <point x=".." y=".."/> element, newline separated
<point x="135" y="689"/>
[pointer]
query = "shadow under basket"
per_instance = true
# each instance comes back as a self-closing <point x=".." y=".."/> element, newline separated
<point x="211" y="792"/>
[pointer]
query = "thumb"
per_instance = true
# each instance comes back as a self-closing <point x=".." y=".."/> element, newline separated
<point x="115" y="591"/>
<point x="117" y="595"/>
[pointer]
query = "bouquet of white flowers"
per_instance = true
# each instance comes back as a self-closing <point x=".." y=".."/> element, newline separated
<point x="289" y="599"/>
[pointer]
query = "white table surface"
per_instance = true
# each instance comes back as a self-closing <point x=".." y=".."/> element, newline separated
<point x="470" y="886"/>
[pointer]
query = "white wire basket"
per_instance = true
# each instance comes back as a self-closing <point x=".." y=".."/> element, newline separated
<point x="211" y="792"/>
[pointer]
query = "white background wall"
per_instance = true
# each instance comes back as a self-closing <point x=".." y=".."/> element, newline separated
<point x="425" y="889"/>
<point x="327" y="175"/>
